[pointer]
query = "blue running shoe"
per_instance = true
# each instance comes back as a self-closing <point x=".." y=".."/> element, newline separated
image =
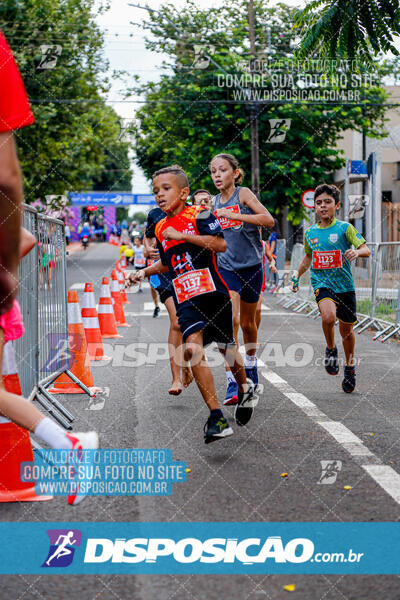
<point x="232" y="394"/>
<point x="331" y="361"/>
<point x="349" y="380"/>
<point x="252" y="373"/>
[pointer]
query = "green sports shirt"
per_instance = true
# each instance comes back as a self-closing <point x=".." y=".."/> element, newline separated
<point x="339" y="236"/>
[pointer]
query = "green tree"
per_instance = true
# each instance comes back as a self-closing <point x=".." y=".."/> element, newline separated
<point x="140" y="217"/>
<point x="75" y="132"/>
<point x="348" y="28"/>
<point x="189" y="116"/>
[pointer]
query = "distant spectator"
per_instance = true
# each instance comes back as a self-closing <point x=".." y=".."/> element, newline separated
<point x="67" y="234"/>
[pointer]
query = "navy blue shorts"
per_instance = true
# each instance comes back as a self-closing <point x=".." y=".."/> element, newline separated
<point x="246" y="282"/>
<point x="211" y="313"/>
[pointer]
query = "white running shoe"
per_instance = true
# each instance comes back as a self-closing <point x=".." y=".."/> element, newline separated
<point x="88" y="440"/>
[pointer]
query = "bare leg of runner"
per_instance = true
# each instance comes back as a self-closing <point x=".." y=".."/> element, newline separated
<point x="327" y="308"/>
<point x="194" y="352"/>
<point x="348" y="340"/>
<point x="249" y="326"/>
<point x="176" y="359"/>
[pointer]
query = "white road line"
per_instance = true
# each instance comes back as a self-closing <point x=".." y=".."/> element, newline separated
<point x="386" y="477"/>
<point x="149" y="306"/>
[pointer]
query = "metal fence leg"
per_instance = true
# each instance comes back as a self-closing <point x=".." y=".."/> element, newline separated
<point x="79" y="382"/>
<point x="382" y="332"/>
<point x="368" y="324"/>
<point x="360" y="323"/>
<point x="395" y="330"/>
<point x="302" y="305"/>
<point x="56" y="403"/>
<point x="51" y="410"/>
<point x="313" y="312"/>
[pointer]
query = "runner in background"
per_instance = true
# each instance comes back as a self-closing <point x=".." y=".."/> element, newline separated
<point x="271" y="262"/>
<point x="182" y="377"/>
<point x="139" y="260"/>
<point x="187" y="239"/>
<point x="241" y="215"/>
<point x="202" y="198"/>
<point x="329" y="251"/>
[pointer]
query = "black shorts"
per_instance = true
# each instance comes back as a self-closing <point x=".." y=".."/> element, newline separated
<point x="210" y="312"/>
<point x="164" y="293"/>
<point x="346" y="303"/>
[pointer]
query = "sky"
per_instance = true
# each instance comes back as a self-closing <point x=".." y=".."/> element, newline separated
<point x="125" y="50"/>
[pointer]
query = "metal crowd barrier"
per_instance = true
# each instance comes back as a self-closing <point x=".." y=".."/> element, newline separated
<point x="42" y="353"/>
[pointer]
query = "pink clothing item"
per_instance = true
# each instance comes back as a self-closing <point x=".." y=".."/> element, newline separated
<point x="12" y="323"/>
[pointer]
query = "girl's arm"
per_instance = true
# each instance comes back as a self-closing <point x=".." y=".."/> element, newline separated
<point x="261" y="216"/>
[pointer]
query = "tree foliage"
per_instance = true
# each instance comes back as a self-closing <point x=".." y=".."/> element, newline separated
<point x="188" y="116"/>
<point x="75" y="135"/>
<point x="348" y="28"/>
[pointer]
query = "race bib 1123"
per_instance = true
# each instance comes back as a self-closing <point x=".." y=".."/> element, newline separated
<point x="329" y="259"/>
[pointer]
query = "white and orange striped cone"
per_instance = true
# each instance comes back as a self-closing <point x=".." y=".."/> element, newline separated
<point x="10" y="370"/>
<point x="116" y="296"/>
<point x="108" y="325"/>
<point x="123" y="262"/>
<point x="91" y="325"/>
<point x="80" y="366"/>
<point x="15" y="443"/>
<point x="121" y="281"/>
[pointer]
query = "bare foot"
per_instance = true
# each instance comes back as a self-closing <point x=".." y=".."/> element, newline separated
<point x="176" y="388"/>
<point x="187" y="376"/>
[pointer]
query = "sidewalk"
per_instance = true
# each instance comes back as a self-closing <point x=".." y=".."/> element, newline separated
<point x="73" y="247"/>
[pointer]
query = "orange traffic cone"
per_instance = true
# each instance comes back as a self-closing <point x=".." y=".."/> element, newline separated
<point x="15" y="448"/>
<point x="91" y="325"/>
<point x="121" y="281"/>
<point x="118" y="306"/>
<point x="15" y="443"/>
<point x="108" y="325"/>
<point x="123" y="262"/>
<point x="10" y="370"/>
<point x="78" y="350"/>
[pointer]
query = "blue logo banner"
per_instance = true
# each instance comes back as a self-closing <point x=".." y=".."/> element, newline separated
<point x="200" y="548"/>
<point x="110" y="198"/>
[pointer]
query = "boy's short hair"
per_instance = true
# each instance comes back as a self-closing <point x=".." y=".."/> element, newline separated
<point x="330" y="189"/>
<point x="201" y="192"/>
<point x="176" y="170"/>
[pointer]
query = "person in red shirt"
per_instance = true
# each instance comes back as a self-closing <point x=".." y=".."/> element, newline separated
<point x="15" y="113"/>
<point x="16" y="242"/>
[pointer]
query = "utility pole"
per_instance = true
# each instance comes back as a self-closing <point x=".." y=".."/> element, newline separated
<point x="255" y="154"/>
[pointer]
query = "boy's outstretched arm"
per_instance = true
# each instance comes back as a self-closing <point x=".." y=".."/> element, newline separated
<point x="304" y="265"/>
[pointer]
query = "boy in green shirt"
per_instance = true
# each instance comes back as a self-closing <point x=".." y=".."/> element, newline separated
<point x="329" y="251"/>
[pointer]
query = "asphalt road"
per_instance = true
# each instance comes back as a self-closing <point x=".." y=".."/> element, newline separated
<point x="303" y="418"/>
